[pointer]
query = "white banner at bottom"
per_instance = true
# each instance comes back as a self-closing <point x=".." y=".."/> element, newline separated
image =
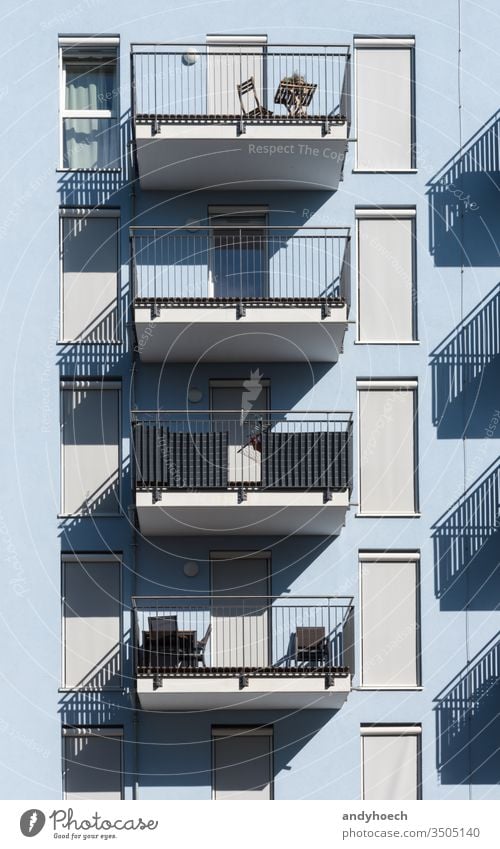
<point x="248" y="825"/>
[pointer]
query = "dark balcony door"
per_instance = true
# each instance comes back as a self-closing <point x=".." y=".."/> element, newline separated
<point x="238" y="408"/>
<point x="240" y="627"/>
<point x="239" y="257"/>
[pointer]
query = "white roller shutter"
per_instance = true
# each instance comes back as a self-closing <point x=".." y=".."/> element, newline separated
<point x="389" y="623"/>
<point x="390" y="766"/>
<point x="387" y="450"/>
<point x="91" y="619"/>
<point x="383" y="106"/>
<point x="231" y="60"/>
<point x="89" y="279"/>
<point x="242" y="766"/>
<point x="90" y="448"/>
<point x="93" y="765"/>
<point x="385" y="274"/>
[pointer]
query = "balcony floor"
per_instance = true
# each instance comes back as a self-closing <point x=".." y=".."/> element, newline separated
<point x="271" y="156"/>
<point x="262" y="693"/>
<point x="216" y="334"/>
<point x="207" y="513"/>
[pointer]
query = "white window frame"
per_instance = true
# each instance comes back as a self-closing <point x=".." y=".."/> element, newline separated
<point x="397" y="557"/>
<point x="402" y="730"/>
<point x="409" y="384"/>
<point x="92" y="731"/>
<point x="371" y="212"/>
<point x="92" y="384"/>
<point x="88" y="212"/>
<point x="115" y="558"/>
<point x="249" y="731"/>
<point x="90" y="44"/>
<point x="387" y="41"/>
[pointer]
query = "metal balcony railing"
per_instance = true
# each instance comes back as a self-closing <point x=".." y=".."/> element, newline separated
<point x="250" y="264"/>
<point x="243" y="449"/>
<point x="215" y="636"/>
<point x="299" y="83"/>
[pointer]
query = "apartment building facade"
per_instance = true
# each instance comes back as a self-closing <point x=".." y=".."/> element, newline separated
<point x="250" y="537"/>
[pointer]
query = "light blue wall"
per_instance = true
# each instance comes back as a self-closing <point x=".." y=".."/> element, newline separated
<point x="317" y="755"/>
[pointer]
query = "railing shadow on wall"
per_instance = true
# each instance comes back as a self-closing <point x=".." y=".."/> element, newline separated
<point x="101" y="697"/>
<point x="465" y="375"/>
<point x="468" y="722"/>
<point x="463" y="202"/>
<point x="467" y="545"/>
<point x="89" y="188"/>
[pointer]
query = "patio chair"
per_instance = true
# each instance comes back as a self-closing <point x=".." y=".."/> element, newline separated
<point x="199" y="649"/>
<point x="311" y="646"/>
<point x="161" y="627"/>
<point x="162" y="640"/>
<point x="247" y="88"/>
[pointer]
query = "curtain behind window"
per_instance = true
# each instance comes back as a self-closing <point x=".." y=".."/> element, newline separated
<point x="90" y="85"/>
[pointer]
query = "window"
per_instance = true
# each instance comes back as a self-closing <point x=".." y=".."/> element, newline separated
<point x="239" y="255"/>
<point x="231" y="59"/>
<point x="386" y="284"/>
<point x="89" y="271"/>
<point x="384" y="104"/>
<point x="390" y="615"/>
<point x="89" y="103"/>
<point x="242" y="763"/>
<point x="391" y="762"/>
<point x="241" y="630"/>
<point x="387" y="447"/>
<point x="238" y="407"/>
<point x="92" y="763"/>
<point x="91" y="621"/>
<point x="90" y="429"/>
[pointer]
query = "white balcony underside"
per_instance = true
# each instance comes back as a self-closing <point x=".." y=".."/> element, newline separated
<point x="225" y="693"/>
<point x="214" y="334"/>
<point x="194" y="156"/>
<point x="207" y="513"/>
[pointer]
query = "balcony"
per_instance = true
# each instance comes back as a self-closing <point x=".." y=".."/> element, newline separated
<point x="209" y="652"/>
<point x="242" y="472"/>
<point x="218" y="294"/>
<point x="229" y="115"/>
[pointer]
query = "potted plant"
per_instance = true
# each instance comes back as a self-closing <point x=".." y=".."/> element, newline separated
<point x="294" y="79"/>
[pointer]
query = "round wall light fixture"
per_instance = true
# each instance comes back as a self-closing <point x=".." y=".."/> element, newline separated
<point x="191" y="569"/>
<point x="195" y="395"/>
<point x="190" y="56"/>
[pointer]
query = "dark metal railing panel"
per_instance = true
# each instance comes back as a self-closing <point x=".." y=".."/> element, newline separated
<point x="244" y="263"/>
<point x="175" y="459"/>
<point x="257" y="450"/>
<point x="174" y="83"/>
<point x="221" y="635"/>
<point x="304" y="460"/>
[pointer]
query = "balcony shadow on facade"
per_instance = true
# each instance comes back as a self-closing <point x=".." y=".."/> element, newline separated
<point x="468" y="722"/>
<point x="175" y="749"/>
<point x="463" y="202"/>
<point x="465" y="375"/>
<point x="466" y="545"/>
